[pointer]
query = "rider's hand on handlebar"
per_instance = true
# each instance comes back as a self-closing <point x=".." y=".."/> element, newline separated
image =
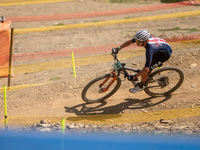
<point x="132" y="77"/>
<point x="115" y="50"/>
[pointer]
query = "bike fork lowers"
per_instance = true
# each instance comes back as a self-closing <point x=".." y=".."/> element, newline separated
<point x="106" y="88"/>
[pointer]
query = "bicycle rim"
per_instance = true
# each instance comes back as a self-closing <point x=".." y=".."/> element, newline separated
<point x="164" y="81"/>
<point x="93" y="92"/>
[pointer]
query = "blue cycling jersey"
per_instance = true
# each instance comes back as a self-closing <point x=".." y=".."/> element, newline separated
<point x="154" y="47"/>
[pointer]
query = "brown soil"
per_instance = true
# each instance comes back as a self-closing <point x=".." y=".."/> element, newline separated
<point x="63" y="96"/>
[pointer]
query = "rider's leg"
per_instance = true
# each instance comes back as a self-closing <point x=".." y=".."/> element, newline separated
<point x="140" y="85"/>
<point x="158" y="61"/>
<point x="143" y="80"/>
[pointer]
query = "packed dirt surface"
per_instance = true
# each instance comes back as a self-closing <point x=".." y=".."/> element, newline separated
<point x="62" y="97"/>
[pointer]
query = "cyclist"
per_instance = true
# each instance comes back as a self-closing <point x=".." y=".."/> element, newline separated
<point x="157" y="52"/>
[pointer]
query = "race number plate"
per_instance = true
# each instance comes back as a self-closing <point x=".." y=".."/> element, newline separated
<point x="117" y="65"/>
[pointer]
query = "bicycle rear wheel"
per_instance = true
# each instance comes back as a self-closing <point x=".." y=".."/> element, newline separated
<point x="93" y="93"/>
<point x="164" y="81"/>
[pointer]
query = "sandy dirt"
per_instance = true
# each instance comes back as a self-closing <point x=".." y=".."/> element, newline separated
<point x="63" y="96"/>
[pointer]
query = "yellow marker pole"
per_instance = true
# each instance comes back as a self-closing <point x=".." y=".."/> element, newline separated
<point x="5" y="106"/>
<point x="63" y="125"/>
<point x="73" y="65"/>
<point x="106" y="1"/>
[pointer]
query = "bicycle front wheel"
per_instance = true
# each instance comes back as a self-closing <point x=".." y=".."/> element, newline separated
<point x="93" y="92"/>
<point x="164" y="81"/>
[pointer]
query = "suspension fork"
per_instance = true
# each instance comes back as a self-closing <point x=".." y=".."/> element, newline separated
<point x="114" y="78"/>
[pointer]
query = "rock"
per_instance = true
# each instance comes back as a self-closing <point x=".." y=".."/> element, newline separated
<point x="81" y="125"/>
<point x="45" y="130"/>
<point x="143" y="110"/>
<point x="43" y="121"/>
<point x="162" y="127"/>
<point x="194" y="85"/>
<point x="72" y="126"/>
<point x="156" y="127"/>
<point x="43" y="125"/>
<point x="193" y="65"/>
<point x="165" y="121"/>
<point x="151" y="124"/>
<point x="34" y="125"/>
<point x="181" y="127"/>
<point x="57" y="124"/>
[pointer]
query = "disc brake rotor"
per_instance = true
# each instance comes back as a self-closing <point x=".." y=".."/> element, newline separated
<point x="163" y="81"/>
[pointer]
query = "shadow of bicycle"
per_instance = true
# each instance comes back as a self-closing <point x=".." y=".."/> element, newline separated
<point x="101" y="108"/>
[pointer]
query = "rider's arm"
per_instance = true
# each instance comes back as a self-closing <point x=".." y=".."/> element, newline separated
<point x="144" y="71"/>
<point x="143" y="74"/>
<point x="127" y="43"/>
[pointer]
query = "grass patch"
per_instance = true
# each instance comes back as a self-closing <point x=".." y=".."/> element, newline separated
<point x="55" y="78"/>
<point x="132" y="1"/>
<point x="121" y="1"/>
<point x="179" y="29"/>
<point x="59" y="24"/>
<point x="170" y="1"/>
<point x="197" y="42"/>
<point x="94" y="21"/>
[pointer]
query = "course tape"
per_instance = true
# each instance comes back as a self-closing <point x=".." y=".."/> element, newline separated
<point x="98" y="14"/>
<point x="111" y="22"/>
<point x="91" y="50"/>
<point x="26" y="2"/>
<point x="110" y="118"/>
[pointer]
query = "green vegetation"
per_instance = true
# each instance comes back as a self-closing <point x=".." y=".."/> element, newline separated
<point x="132" y="1"/>
<point x="95" y="21"/>
<point x="121" y="1"/>
<point x="143" y="1"/>
<point x="192" y="42"/>
<point x="59" y="24"/>
<point x="171" y="1"/>
<point x="55" y="78"/>
<point x="179" y="29"/>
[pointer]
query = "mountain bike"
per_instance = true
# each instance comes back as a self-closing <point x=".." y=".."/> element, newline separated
<point x="161" y="82"/>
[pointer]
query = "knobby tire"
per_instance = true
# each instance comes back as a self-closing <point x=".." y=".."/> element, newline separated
<point x="104" y="97"/>
<point x="160" y="71"/>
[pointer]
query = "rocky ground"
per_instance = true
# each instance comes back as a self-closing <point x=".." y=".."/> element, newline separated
<point x="162" y="127"/>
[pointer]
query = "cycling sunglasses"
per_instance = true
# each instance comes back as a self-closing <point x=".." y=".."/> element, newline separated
<point x="138" y="42"/>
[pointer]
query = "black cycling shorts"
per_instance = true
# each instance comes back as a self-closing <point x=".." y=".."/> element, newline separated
<point x="158" y="60"/>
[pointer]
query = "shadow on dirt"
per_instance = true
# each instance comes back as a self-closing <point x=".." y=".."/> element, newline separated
<point x="101" y="108"/>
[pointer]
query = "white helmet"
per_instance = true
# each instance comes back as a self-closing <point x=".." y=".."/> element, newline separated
<point x="142" y="35"/>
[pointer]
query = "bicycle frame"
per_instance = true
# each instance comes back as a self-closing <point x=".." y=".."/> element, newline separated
<point x="124" y="68"/>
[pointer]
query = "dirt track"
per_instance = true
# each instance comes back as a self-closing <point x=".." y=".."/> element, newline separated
<point x="62" y="97"/>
